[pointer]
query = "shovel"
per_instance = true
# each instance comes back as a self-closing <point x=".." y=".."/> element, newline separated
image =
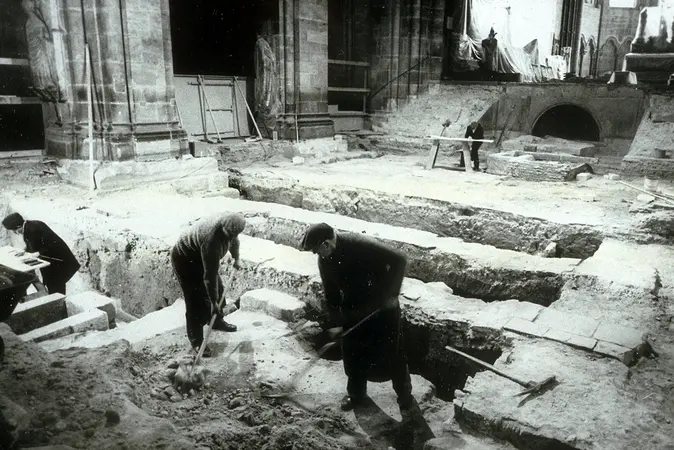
<point x="531" y="387"/>
<point x="318" y="355"/>
<point x="187" y="378"/>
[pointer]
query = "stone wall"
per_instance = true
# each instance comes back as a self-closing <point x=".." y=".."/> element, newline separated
<point x="516" y="108"/>
<point x="617" y="31"/>
<point x="132" y="80"/>
<point x="655" y="131"/>
<point x="589" y="31"/>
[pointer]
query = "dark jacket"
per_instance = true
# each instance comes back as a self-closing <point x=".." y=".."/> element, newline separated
<point x="478" y="133"/>
<point x="42" y="239"/>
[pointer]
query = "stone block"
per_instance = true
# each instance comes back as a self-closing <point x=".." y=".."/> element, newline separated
<point x="218" y="181"/>
<point x="93" y="319"/>
<point x="571" y="323"/>
<point x="573" y="340"/>
<point x="526" y="327"/>
<point x="277" y="304"/>
<point x="38" y="313"/>
<point x="226" y="192"/>
<point x="620" y="335"/>
<point x="89" y="300"/>
<point x="612" y="176"/>
<point x="618" y="352"/>
<point x="583" y="176"/>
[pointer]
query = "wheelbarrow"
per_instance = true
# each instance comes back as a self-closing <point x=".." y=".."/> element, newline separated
<point x="13" y="287"/>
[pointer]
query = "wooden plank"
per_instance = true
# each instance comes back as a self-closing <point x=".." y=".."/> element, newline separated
<point x="343" y="62"/>
<point x="9" y="258"/>
<point x="14" y="62"/>
<point x="21" y="154"/>
<point x="433" y="155"/>
<point x="341" y="89"/>
<point x="457" y="139"/>
<point x="14" y="100"/>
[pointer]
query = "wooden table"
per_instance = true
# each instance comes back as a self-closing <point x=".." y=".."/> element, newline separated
<point x="9" y="256"/>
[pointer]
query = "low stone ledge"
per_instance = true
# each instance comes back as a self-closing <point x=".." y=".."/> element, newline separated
<point x="533" y="166"/>
<point x="650" y="167"/>
<point x="37" y="313"/>
<point x="89" y="320"/>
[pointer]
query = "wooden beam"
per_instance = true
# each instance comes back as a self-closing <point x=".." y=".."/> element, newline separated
<point x="14" y="100"/>
<point x="442" y="138"/>
<point x="14" y="62"/>
<point x="21" y="154"/>
<point x="344" y="89"/>
<point x="348" y="63"/>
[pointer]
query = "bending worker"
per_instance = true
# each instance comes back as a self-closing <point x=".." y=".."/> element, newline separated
<point x="196" y="262"/>
<point x="38" y="237"/>
<point x="475" y="131"/>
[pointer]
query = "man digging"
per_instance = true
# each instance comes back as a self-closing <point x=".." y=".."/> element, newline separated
<point x="196" y="261"/>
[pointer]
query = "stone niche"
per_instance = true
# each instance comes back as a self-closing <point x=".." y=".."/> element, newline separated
<point x="534" y="166"/>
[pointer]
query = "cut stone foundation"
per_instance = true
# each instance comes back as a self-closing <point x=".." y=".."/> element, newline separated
<point x="534" y="166"/>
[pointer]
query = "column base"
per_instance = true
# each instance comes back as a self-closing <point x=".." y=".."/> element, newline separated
<point x="311" y="126"/>
<point x="144" y="143"/>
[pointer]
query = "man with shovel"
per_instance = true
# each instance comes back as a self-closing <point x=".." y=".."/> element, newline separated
<point x="362" y="280"/>
<point x="196" y="262"/>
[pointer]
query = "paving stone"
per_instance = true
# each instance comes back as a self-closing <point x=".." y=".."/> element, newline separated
<point x="38" y="313"/>
<point x="93" y="319"/>
<point x="613" y="350"/>
<point x="277" y="304"/>
<point x="617" y="334"/>
<point x="573" y="340"/>
<point x="88" y="300"/>
<point x="522" y="326"/>
<point x="571" y="323"/>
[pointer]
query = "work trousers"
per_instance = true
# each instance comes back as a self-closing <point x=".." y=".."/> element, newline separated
<point x="190" y="273"/>
<point x="54" y="280"/>
<point x="375" y="351"/>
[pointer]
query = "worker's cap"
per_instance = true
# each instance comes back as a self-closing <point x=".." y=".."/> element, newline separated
<point x="13" y="222"/>
<point x="316" y="235"/>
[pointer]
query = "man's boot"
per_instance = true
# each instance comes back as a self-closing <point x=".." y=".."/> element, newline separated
<point x="221" y="325"/>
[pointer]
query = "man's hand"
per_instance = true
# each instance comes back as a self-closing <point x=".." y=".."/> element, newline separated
<point x="334" y="333"/>
<point x="216" y="309"/>
<point x="237" y="264"/>
<point x="446" y="123"/>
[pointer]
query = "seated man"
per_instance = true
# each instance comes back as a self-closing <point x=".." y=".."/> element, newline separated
<point x="38" y="237"/>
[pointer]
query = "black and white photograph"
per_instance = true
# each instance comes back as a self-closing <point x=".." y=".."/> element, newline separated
<point x="337" y="224"/>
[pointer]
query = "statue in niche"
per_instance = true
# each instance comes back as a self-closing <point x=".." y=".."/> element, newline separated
<point x="581" y="55"/>
<point x="267" y="92"/>
<point x="490" y="51"/>
<point x="42" y="54"/>
<point x="592" y="54"/>
<point x="640" y="42"/>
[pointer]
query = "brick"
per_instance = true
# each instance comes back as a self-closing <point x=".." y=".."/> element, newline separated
<point x="94" y="319"/>
<point x="571" y="323"/>
<point x="38" y="313"/>
<point x="522" y="326"/>
<point x="573" y="340"/>
<point x="613" y="350"/>
<point x="89" y="300"/>
<point x="277" y="304"/>
<point x="617" y="334"/>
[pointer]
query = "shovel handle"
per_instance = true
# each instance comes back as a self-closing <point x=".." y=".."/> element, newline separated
<point x="488" y="366"/>
<point x="206" y="336"/>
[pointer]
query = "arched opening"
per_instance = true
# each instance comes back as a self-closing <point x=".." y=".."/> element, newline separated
<point x="567" y="122"/>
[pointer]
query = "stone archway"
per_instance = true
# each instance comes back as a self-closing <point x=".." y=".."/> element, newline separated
<point x="567" y="121"/>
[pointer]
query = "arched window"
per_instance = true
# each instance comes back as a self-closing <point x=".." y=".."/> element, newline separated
<point x="567" y="122"/>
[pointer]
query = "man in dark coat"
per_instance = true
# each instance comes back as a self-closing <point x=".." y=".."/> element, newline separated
<point x="196" y="262"/>
<point x="38" y="237"/>
<point x="362" y="276"/>
<point x="474" y="131"/>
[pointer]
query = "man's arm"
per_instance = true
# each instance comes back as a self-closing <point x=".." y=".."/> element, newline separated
<point x="211" y="255"/>
<point x="333" y="295"/>
<point x="395" y="264"/>
<point x="234" y="247"/>
<point x="469" y="132"/>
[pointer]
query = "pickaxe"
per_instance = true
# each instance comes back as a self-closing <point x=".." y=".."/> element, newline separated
<point x="531" y="387"/>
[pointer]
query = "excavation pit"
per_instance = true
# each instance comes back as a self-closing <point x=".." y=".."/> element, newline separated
<point x="472" y="224"/>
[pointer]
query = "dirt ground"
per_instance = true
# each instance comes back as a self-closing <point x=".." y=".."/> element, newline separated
<point x="120" y="397"/>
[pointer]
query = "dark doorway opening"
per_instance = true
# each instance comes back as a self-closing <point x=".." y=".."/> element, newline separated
<point x="567" y="122"/>
<point x="21" y="127"/>
<point x="212" y="37"/>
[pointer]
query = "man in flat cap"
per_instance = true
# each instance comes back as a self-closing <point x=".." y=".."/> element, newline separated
<point x="38" y="237"/>
<point x="362" y="280"/>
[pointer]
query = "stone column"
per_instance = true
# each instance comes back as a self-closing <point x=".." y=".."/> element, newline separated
<point x="132" y="70"/>
<point x="304" y="61"/>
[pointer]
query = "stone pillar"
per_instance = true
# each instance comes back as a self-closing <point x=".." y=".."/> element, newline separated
<point x="304" y="61"/>
<point x="132" y="75"/>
